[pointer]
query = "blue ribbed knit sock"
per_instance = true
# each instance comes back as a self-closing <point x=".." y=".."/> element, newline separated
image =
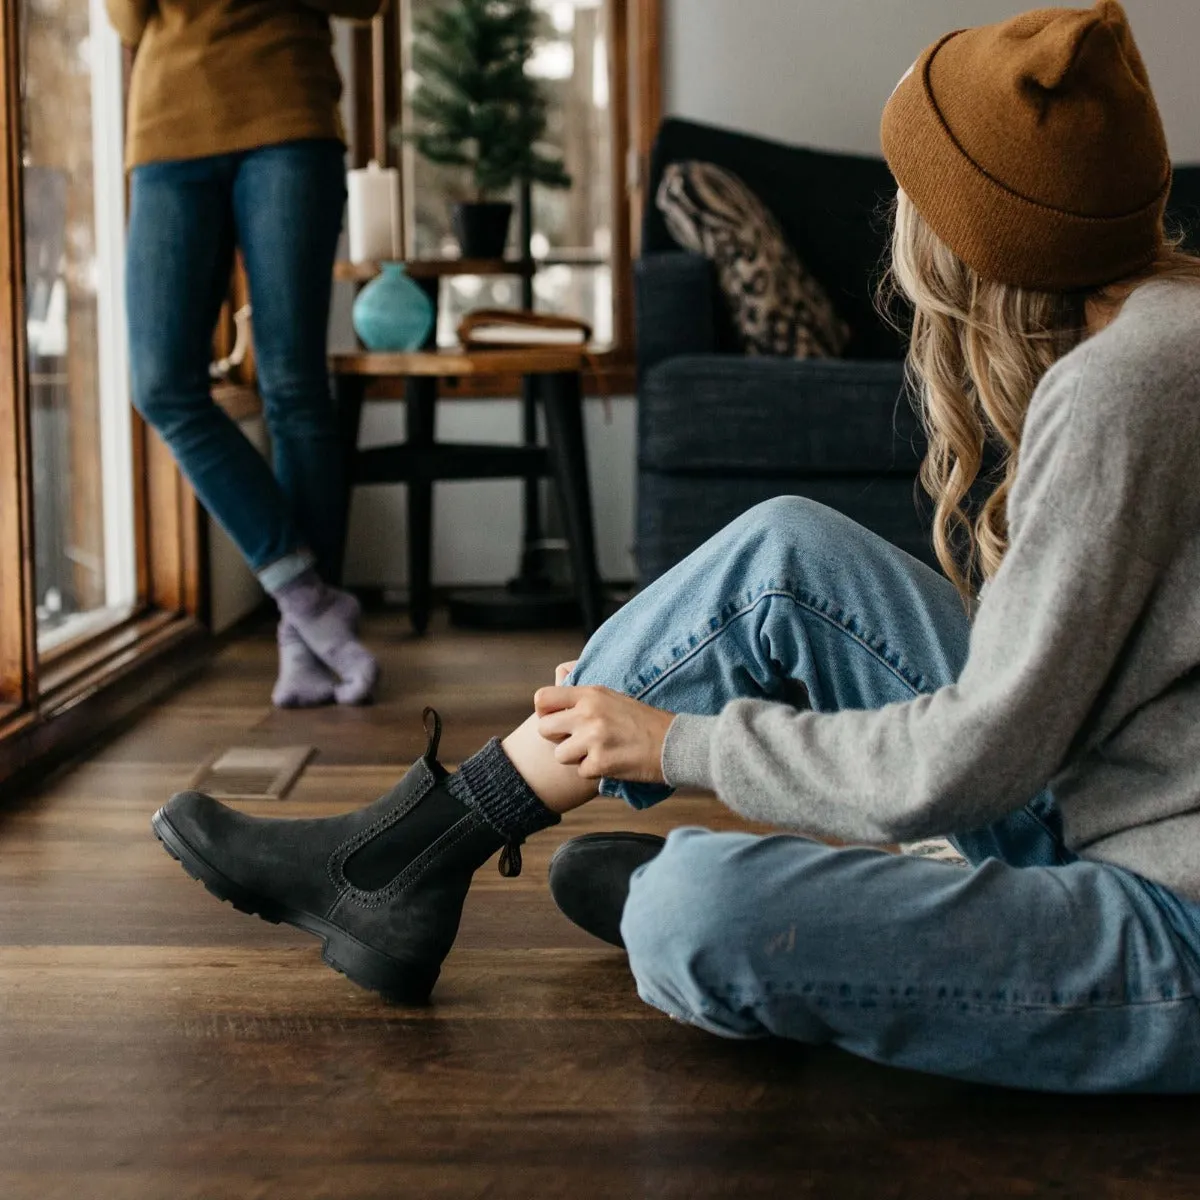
<point x="496" y="790"/>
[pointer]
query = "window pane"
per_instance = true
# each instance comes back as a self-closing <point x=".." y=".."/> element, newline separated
<point x="461" y="294"/>
<point x="571" y="290"/>
<point x="572" y="228"/>
<point x="572" y="63"/>
<point x="80" y="424"/>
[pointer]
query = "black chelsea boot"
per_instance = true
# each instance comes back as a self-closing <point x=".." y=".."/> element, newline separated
<point x="590" y="876"/>
<point x="383" y="887"/>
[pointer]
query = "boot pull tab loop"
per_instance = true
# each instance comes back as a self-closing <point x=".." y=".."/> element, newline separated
<point x="433" y="731"/>
<point x="510" y="860"/>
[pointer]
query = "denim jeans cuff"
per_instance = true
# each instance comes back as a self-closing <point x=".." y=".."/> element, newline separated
<point x="636" y="795"/>
<point x="282" y="571"/>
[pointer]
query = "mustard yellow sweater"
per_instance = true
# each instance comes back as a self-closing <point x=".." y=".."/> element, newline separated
<point x="217" y="76"/>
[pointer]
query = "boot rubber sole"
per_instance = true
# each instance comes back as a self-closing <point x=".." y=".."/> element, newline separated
<point x="397" y="981"/>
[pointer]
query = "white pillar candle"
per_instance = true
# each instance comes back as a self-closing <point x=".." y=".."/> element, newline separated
<point x="373" y="213"/>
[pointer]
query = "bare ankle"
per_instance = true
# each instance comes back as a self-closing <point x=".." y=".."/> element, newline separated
<point x="560" y="788"/>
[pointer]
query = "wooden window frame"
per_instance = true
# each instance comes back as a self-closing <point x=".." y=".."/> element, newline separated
<point x="16" y="541"/>
<point x="635" y="67"/>
<point x="51" y="705"/>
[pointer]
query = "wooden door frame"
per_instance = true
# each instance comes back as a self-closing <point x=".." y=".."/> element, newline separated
<point x="17" y="649"/>
<point x="49" y="707"/>
<point x="646" y="104"/>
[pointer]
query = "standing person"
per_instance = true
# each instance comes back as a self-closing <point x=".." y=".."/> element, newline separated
<point x="1055" y="734"/>
<point x="235" y="141"/>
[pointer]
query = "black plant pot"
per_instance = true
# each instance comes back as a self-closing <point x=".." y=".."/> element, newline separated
<point x="481" y="229"/>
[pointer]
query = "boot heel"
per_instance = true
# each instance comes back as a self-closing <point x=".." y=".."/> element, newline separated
<point x="397" y="982"/>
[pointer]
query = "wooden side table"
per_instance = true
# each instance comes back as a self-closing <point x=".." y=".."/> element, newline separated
<point x="420" y="460"/>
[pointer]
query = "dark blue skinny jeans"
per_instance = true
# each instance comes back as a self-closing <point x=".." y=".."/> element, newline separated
<point x="282" y="207"/>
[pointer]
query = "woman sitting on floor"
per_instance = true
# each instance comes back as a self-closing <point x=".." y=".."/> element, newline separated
<point x="1051" y="723"/>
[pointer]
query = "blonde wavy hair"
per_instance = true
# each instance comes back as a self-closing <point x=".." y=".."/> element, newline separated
<point x="978" y="351"/>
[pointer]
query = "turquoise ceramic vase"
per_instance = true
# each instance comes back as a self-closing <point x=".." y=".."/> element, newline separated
<point x="393" y="312"/>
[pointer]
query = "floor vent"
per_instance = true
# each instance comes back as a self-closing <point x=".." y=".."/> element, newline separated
<point x="252" y="772"/>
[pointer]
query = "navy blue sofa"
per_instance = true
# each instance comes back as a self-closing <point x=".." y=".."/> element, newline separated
<point x="719" y="431"/>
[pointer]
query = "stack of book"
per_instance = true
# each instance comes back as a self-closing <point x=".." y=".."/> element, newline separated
<point x="503" y="328"/>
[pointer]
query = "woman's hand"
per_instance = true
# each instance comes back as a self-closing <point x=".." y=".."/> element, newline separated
<point x="602" y="732"/>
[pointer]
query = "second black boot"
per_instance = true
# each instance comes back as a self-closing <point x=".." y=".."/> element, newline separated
<point x="590" y="877"/>
<point x="383" y="887"/>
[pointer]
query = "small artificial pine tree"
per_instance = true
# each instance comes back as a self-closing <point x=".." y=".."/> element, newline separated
<point x="474" y="103"/>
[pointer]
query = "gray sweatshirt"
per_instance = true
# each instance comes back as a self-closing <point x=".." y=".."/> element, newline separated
<point x="1084" y="664"/>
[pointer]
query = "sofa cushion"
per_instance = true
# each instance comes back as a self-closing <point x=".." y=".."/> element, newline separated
<point x="778" y="308"/>
<point x="761" y="416"/>
<point x="832" y="209"/>
<point x="675" y="513"/>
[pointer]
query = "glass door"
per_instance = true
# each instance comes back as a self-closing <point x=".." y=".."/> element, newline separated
<point x="85" y="576"/>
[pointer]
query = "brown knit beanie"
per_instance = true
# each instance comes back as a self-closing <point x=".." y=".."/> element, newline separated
<point x="1034" y="149"/>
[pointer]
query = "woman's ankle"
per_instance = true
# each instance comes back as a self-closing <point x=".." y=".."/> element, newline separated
<point x="560" y="788"/>
<point x="304" y="596"/>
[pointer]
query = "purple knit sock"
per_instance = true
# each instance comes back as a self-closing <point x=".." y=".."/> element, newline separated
<point x="327" y="621"/>
<point x="303" y="681"/>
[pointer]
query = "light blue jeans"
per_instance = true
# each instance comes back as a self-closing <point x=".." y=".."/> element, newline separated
<point x="1029" y="968"/>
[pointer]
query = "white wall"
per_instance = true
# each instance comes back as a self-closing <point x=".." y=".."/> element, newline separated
<point x="818" y="72"/>
<point x="477" y="526"/>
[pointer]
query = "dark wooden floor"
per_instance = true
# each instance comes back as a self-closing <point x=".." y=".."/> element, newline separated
<point x="155" y="1043"/>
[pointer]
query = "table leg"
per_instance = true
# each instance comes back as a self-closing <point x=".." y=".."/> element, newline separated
<point x="420" y="394"/>
<point x="348" y="393"/>
<point x="562" y="400"/>
<point x="532" y="577"/>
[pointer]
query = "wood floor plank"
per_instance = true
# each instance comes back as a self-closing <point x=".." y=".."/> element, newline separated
<point x="155" y="1043"/>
